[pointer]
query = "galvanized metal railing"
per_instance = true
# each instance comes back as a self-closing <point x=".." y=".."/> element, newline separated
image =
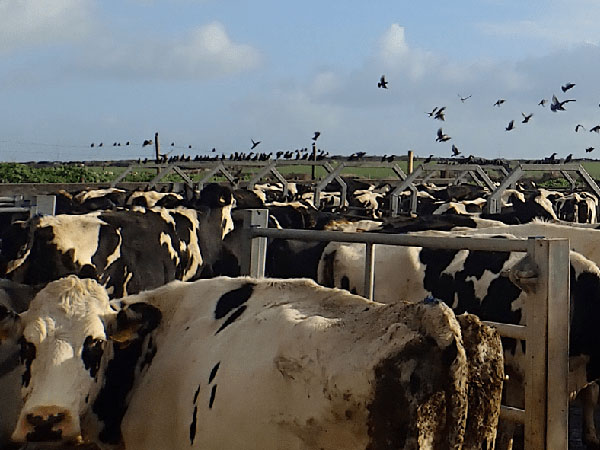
<point x="546" y="332"/>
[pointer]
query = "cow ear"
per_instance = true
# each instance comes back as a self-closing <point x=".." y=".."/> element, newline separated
<point x="134" y="322"/>
<point x="11" y="326"/>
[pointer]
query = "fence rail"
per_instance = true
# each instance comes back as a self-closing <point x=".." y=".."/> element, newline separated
<point x="545" y="415"/>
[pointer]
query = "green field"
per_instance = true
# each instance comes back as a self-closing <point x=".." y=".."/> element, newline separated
<point x="78" y="173"/>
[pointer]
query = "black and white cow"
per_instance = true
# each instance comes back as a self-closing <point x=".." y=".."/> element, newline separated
<point x="476" y="282"/>
<point x="253" y="364"/>
<point x="127" y="250"/>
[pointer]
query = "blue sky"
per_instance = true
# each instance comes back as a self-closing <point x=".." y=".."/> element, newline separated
<point x="212" y="73"/>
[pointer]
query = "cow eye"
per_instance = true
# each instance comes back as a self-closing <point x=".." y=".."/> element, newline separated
<point x="27" y="352"/>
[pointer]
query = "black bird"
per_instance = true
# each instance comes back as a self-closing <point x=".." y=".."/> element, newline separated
<point x="428" y="159"/>
<point x="127" y="143"/>
<point x="578" y="126"/>
<point x="455" y="150"/>
<point x="92" y="145"/>
<point x="589" y="149"/>
<point x="499" y="102"/>
<point x="316" y="136"/>
<point x="190" y="146"/>
<point x="172" y="144"/>
<point x="100" y="144"/>
<point x="464" y="99"/>
<point x="441" y="137"/>
<point x="551" y="157"/>
<point x="595" y="129"/>
<point x="430" y="114"/>
<point x="567" y="86"/>
<point x="526" y="117"/>
<point x="439" y="115"/>
<point x="214" y="150"/>
<point x="543" y="102"/>
<point x="557" y="105"/>
<point x="511" y="125"/>
<point x="114" y="144"/>
<point x="568" y="158"/>
<point x="382" y="83"/>
<point x="147" y="142"/>
<point x="254" y="144"/>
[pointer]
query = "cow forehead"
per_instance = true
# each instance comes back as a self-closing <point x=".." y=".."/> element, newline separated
<point x="69" y="305"/>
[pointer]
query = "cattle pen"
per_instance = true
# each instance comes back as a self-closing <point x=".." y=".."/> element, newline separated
<point x="546" y="400"/>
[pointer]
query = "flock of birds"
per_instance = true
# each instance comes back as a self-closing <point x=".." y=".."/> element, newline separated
<point x="438" y="113"/>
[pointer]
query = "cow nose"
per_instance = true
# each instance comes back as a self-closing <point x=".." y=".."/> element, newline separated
<point x="48" y="424"/>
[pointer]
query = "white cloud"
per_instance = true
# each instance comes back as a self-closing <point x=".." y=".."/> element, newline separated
<point x="33" y="22"/>
<point x="560" y="23"/>
<point x="204" y="52"/>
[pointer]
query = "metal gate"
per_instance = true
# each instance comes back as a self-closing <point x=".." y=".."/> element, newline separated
<point x="545" y="416"/>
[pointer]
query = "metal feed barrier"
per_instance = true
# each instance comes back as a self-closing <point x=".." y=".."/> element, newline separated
<point x="545" y="416"/>
<point x="34" y="205"/>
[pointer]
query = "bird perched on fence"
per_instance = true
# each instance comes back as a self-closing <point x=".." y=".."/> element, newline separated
<point x="557" y="105"/>
<point x="382" y="83"/>
<point x="567" y="86"/>
<point x="551" y="158"/>
<point x="316" y="136"/>
<point x="428" y="159"/>
<point x="578" y="127"/>
<point x="441" y="137"/>
<point x="543" y="102"/>
<point x="499" y="102"/>
<point x="455" y="150"/>
<point x="526" y="117"/>
<point x="568" y="158"/>
<point x="254" y="144"/>
<point x="511" y="125"/>
<point x="595" y="129"/>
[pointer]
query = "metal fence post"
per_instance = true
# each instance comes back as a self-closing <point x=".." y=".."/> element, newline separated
<point x="369" y="271"/>
<point x="546" y="387"/>
<point x="255" y="251"/>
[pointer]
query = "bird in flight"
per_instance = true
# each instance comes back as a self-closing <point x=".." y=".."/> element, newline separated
<point x="316" y="136"/>
<point x="543" y="102"/>
<point x="567" y="86"/>
<point x="557" y="105"/>
<point x="499" y="102"/>
<point x="526" y="117"/>
<point x="100" y="144"/>
<point x="382" y="83"/>
<point x="440" y="114"/>
<point x="455" y="150"/>
<point x="441" y="137"/>
<point x="92" y="146"/>
<point x="254" y="144"/>
<point x="589" y="149"/>
<point x="464" y="99"/>
<point x="511" y="125"/>
<point x="433" y="111"/>
<point x="595" y="129"/>
<point x="147" y="142"/>
<point x="579" y="126"/>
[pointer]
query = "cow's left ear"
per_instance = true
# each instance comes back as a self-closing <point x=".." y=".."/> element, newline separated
<point x="11" y="326"/>
<point x="134" y="322"/>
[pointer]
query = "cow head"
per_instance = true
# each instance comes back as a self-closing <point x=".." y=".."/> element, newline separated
<point x="65" y="350"/>
<point x="219" y="198"/>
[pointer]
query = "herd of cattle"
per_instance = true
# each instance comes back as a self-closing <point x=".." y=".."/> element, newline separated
<point x="124" y="322"/>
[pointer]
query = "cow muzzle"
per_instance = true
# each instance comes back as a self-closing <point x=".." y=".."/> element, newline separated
<point x="47" y="424"/>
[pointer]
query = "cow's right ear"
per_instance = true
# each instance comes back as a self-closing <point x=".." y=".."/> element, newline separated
<point x="10" y="325"/>
<point x="134" y="322"/>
